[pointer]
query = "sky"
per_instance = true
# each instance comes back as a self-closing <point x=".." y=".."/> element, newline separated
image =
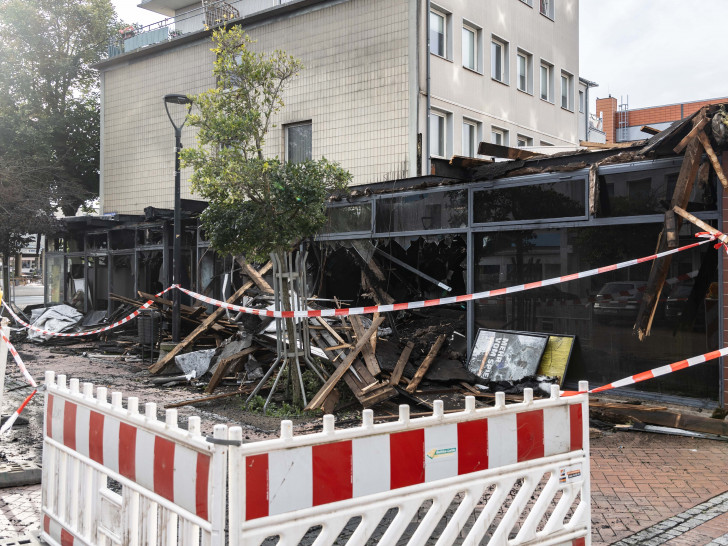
<point x="652" y="51"/>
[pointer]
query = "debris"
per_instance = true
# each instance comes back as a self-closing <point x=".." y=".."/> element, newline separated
<point x="197" y="361"/>
<point x="59" y="318"/>
<point x="422" y="370"/>
<point x="401" y="363"/>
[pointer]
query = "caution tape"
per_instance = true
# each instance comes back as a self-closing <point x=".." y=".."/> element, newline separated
<point x="29" y="378"/>
<point x="439" y="301"/>
<point x="118" y="323"/>
<point x="655" y="372"/>
<point x="14" y="417"/>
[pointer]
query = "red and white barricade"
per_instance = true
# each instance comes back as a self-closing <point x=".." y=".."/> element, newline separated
<point x="511" y="474"/>
<point x="112" y="475"/>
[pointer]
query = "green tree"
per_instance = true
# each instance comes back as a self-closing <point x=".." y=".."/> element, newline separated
<point x="47" y="48"/>
<point x="257" y="206"/>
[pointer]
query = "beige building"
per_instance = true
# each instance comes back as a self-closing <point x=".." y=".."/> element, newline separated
<point x="504" y="71"/>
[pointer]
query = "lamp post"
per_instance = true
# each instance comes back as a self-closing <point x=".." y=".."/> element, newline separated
<point x="176" y="114"/>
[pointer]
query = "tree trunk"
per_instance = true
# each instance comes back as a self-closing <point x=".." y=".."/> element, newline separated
<point x="291" y="330"/>
<point x="6" y="274"/>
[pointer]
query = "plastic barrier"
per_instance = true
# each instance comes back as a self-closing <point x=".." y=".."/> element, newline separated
<point x="114" y="476"/>
<point x="512" y="474"/>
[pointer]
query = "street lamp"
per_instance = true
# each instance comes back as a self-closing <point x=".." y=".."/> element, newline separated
<point x="181" y="105"/>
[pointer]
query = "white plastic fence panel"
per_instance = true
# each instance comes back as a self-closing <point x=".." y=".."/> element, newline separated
<point x="112" y="475"/>
<point x="513" y="474"/>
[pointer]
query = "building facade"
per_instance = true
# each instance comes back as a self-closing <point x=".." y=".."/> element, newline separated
<point x="624" y="125"/>
<point x="369" y="97"/>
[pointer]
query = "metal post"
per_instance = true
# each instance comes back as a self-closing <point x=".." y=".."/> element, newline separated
<point x="176" y="249"/>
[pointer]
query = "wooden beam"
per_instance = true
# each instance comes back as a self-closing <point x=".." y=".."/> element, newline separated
<point x="223" y="366"/>
<point x="331" y="382"/>
<point x="698" y="222"/>
<point x="160" y="364"/>
<point x="593" y="188"/>
<point x="401" y="363"/>
<point x="254" y="275"/>
<point x="369" y="357"/>
<point x="701" y="122"/>
<point x="705" y="141"/>
<point x="610" y="145"/>
<point x="422" y="370"/>
<point x="650" y="130"/>
<point x="660" y="268"/>
<point x="496" y="150"/>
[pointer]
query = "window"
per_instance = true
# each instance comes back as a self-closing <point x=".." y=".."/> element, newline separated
<point x="471" y="136"/>
<point x="547" y="81"/>
<point x="298" y="142"/>
<point x="544" y="143"/>
<point x="438" y="33"/>
<point x="499" y="60"/>
<point x="471" y="48"/>
<point x="525" y="71"/>
<point x="581" y="101"/>
<point x="524" y="141"/>
<point x="528" y="2"/>
<point x="547" y="8"/>
<point x="499" y="136"/>
<point x="567" y="91"/>
<point x="438" y="134"/>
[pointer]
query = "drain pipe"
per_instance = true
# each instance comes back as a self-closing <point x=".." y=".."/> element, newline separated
<point x="428" y="163"/>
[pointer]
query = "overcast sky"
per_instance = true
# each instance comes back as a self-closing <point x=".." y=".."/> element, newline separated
<point x="655" y="51"/>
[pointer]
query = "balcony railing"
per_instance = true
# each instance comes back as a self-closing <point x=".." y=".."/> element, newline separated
<point x="211" y="14"/>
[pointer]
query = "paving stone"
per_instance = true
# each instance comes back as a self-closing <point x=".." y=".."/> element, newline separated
<point x="13" y="474"/>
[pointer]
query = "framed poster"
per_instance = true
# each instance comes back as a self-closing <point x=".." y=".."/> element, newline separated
<point x="555" y="359"/>
<point x="503" y="355"/>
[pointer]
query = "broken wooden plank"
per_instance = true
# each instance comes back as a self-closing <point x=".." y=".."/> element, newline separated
<point x="705" y="141"/>
<point x="422" y="370"/>
<point x="401" y="363"/>
<point x="331" y="382"/>
<point x="330" y="330"/>
<point x="223" y="366"/>
<point x="684" y="421"/>
<point x="384" y="392"/>
<point x="254" y="275"/>
<point x="660" y="267"/>
<point x="700" y="122"/>
<point x="202" y="328"/>
<point x="610" y="145"/>
<point x="593" y="188"/>
<point x="698" y="222"/>
<point x="650" y="130"/>
<point x="496" y="150"/>
<point x="369" y="357"/>
<point x="207" y="398"/>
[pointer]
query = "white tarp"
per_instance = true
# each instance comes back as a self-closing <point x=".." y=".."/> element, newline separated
<point x="59" y="318"/>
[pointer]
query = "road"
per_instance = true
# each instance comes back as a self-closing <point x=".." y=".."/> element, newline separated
<point x="27" y="294"/>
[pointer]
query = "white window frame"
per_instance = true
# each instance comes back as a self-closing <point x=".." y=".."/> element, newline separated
<point x="544" y="143"/>
<point x="529" y="3"/>
<point x="548" y="81"/>
<point x="528" y="60"/>
<point x="498" y="131"/>
<point x="582" y="96"/>
<point x="475" y="128"/>
<point x="504" y="75"/>
<point x="446" y="17"/>
<point x="443" y="120"/>
<point x="527" y="141"/>
<point x="288" y="126"/>
<point x="546" y="7"/>
<point x="477" y="46"/>
<point x="567" y="91"/>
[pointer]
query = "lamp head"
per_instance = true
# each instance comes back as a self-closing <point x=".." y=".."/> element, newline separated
<point x="179" y="100"/>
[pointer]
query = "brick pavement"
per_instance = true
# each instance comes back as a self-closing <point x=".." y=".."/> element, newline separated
<point x="19" y="510"/>
<point x="640" y="479"/>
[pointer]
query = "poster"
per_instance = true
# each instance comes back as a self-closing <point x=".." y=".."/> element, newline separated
<point x="555" y="359"/>
<point x="502" y="355"/>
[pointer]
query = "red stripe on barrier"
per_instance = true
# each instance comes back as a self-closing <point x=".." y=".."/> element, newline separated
<point x="643" y="376"/>
<point x="680" y="365"/>
<point x="497" y="292"/>
<point x="96" y="437"/>
<point x="400" y="306"/>
<point x="529" y="433"/>
<point x="606" y="269"/>
<point x="164" y="468"/>
<point x="472" y="446"/>
<point x="47" y="524"/>
<point x="430" y="303"/>
<point x="407" y="458"/>
<point x="578" y="542"/>
<point x="127" y="451"/>
<point x="256" y="486"/>
<point x="202" y="477"/>
<point x="571" y="277"/>
<point x="49" y="417"/>
<point x="66" y="538"/>
<point x="371" y="309"/>
<point x="332" y="472"/>
<point x="576" y="427"/>
<point x="69" y="425"/>
<point x="466" y="297"/>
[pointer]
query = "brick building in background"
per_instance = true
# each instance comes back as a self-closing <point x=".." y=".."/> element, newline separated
<point x="624" y="125"/>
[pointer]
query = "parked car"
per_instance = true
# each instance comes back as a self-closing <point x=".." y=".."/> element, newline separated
<point x="619" y="300"/>
<point x="677" y="302"/>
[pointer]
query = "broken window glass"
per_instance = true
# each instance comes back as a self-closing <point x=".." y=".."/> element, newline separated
<point x="423" y="212"/>
<point x="348" y="219"/>
<point x="562" y="199"/>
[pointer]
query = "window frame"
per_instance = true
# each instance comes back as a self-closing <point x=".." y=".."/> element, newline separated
<point x="528" y="59"/>
<point x="582" y="97"/>
<point x="477" y="33"/>
<point x="286" y="138"/>
<point x="569" y="88"/>
<point x="503" y="133"/>
<point x="547" y="9"/>
<point x="503" y="58"/>
<point x="446" y="32"/>
<point x="446" y="133"/>
<point x="528" y="141"/>
<point x="549" y="81"/>
<point x="476" y="128"/>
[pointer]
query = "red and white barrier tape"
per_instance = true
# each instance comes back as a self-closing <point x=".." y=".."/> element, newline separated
<point x="90" y="332"/>
<point x="439" y="301"/>
<point x="14" y="417"/>
<point x="655" y="372"/>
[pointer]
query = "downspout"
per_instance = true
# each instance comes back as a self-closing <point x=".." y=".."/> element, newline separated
<point x="428" y="165"/>
<point x="586" y="113"/>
